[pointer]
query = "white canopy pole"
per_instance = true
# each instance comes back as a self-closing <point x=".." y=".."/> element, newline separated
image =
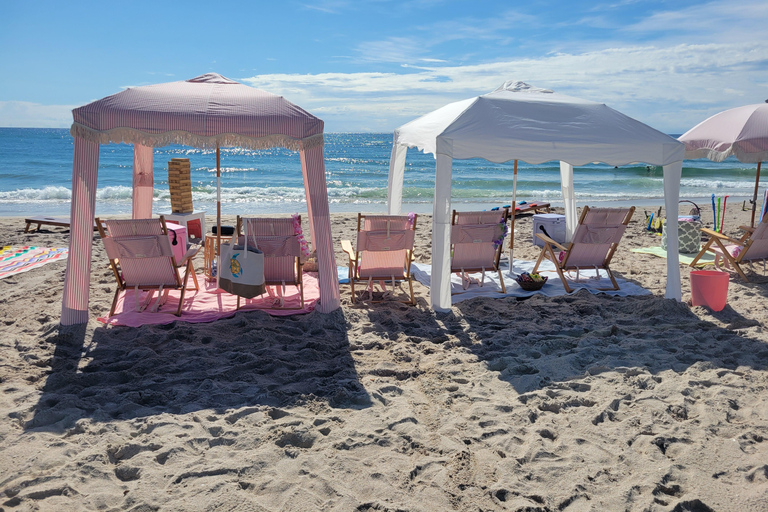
<point x="512" y="225"/>
<point x="569" y="199"/>
<point x="440" y="283"/>
<point x="672" y="174"/>
<point x="396" y="172"/>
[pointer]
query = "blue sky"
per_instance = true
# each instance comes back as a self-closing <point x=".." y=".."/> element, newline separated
<point x="372" y="65"/>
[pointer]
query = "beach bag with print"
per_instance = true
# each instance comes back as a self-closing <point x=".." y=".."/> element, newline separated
<point x="241" y="271"/>
<point x="688" y="236"/>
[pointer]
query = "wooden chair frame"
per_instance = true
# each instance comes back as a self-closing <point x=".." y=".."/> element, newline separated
<point x="355" y="257"/>
<point x="497" y="257"/>
<point x="180" y="282"/>
<point x="298" y="281"/>
<point x="745" y="242"/>
<point x="548" y="252"/>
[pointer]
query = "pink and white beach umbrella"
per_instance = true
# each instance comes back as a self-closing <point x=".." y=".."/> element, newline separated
<point x="741" y="132"/>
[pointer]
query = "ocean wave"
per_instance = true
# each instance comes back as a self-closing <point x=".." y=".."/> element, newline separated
<point x="36" y="194"/>
<point x="713" y="185"/>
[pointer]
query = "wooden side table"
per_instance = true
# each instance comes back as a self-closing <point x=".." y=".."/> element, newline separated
<point x="209" y="255"/>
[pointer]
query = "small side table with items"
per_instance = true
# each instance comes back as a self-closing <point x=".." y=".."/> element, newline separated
<point x="193" y="221"/>
<point x="209" y="256"/>
<point x="209" y="262"/>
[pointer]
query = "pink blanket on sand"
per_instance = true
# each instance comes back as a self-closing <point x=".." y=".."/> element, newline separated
<point x="209" y="304"/>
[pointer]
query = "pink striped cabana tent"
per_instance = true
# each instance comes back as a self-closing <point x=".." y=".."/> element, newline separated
<point x="209" y="111"/>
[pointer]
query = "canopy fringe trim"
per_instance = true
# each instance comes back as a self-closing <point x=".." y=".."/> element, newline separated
<point x="719" y="156"/>
<point x="185" y="138"/>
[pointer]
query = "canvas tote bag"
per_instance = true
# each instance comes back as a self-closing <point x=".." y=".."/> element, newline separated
<point x="241" y="271"/>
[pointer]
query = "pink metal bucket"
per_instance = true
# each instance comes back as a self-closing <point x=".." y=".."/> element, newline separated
<point x="709" y="288"/>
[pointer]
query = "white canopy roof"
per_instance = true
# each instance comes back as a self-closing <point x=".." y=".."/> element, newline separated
<point x="520" y="122"/>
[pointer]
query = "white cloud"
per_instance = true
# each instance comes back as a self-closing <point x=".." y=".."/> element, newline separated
<point x="23" y="114"/>
<point x="718" y="21"/>
<point x="670" y="88"/>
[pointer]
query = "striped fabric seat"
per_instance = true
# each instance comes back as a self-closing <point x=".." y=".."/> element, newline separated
<point x="751" y="247"/>
<point x="476" y="244"/>
<point x="278" y="240"/>
<point x="594" y="243"/>
<point x="383" y="252"/>
<point x="141" y="257"/>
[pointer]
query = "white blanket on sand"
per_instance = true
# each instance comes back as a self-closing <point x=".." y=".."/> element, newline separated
<point x="588" y="280"/>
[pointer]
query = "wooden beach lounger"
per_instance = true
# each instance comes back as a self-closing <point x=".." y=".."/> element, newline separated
<point x="533" y="206"/>
<point x="50" y="221"/>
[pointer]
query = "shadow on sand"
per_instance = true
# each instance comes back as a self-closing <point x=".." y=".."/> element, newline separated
<point x="251" y="359"/>
<point x="535" y="342"/>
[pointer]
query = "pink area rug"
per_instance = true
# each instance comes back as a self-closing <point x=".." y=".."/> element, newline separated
<point x="14" y="260"/>
<point x="209" y="304"/>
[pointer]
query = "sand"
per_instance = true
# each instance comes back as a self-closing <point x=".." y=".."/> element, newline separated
<point x="571" y="403"/>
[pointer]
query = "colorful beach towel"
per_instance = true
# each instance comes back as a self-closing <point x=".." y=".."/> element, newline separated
<point x="14" y="260"/>
<point x="685" y="259"/>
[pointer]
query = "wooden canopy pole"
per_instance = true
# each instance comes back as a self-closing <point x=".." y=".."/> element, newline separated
<point x="218" y="207"/>
<point x="754" y="198"/>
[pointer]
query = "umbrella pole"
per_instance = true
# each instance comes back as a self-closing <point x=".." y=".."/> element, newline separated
<point x="218" y="206"/>
<point x="754" y="198"/>
<point x="512" y="228"/>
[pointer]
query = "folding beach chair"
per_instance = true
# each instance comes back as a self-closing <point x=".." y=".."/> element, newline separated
<point x="384" y="252"/>
<point x="141" y="257"/>
<point x="752" y="246"/>
<point x="476" y="244"/>
<point x="594" y="243"/>
<point x="278" y="240"/>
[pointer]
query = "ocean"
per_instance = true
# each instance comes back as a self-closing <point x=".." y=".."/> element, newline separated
<point x="36" y="177"/>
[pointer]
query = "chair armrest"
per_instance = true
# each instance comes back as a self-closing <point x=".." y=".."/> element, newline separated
<point x="721" y="236"/>
<point x="346" y="246"/>
<point x="747" y="229"/>
<point x="549" y="241"/>
<point x="191" y="253"/>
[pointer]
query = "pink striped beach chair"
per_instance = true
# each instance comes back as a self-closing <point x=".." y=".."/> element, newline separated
<point x="751" y="247"/>
<point x="278" y="240"/>
<point x="141" y="257"/>
<point x="476" y="244"/>
<point x="594" y="243"/>
<point x="384" y="252"/>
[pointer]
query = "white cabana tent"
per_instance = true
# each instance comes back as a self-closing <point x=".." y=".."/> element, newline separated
<point x="519" y="122"/>
<point x="209" y="111"/>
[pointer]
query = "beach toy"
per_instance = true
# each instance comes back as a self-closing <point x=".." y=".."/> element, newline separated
<point x="717" y="215"/>
<point x="709" y="288"/>
<point x="722" y="219"/>
<point x="714" y="211"/>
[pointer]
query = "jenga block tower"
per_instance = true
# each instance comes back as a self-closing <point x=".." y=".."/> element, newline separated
<point x="180" y="185"/>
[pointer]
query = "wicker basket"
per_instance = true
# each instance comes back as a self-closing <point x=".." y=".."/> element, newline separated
<point x="532" y="286"/>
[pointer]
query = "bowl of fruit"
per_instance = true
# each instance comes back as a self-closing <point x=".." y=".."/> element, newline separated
<point x="531" y="282"/>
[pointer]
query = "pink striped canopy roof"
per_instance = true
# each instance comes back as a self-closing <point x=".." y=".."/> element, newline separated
<point x="741" y="131"/>
<point x="207" y="111"/>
